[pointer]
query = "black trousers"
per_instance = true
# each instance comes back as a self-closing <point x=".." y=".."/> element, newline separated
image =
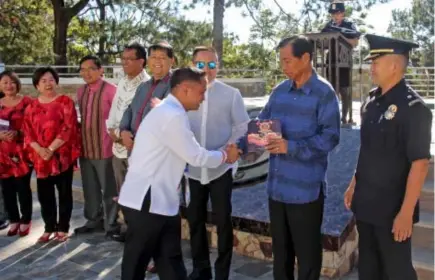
<point x="220" y="191"/>
<point x="47" y="199"/>
<point x="296" y="232"/>
<point x="380" y="257"/>
<point x="152" y="236"/>
<point x="17" y="189"/>
<point x="346" y="103"/>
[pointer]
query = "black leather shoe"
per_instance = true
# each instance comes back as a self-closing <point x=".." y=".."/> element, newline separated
<point x="4" y="224"/>
<point x="116" y="236"/>
<point x="85" y="229"/>
<point x="203" y="274"/>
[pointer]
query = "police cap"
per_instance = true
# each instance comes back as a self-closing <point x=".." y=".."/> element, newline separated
<point x="380" y="45"/>
<point x="335" y="7"/>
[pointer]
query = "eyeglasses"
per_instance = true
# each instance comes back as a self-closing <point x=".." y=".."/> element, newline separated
<point x="201" y="65"/>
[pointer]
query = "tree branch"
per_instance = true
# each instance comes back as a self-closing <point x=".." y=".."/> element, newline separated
<point x="282" y="10"/>
<point x="74" y="10"/>
<point x="251" y="13"/>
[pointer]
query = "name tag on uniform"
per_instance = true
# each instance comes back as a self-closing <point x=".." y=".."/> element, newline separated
<point x="4" y="125"/>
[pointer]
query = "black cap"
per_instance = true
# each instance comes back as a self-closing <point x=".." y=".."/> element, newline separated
<point x="380" y="45"/>
<point x="336" y="7"/>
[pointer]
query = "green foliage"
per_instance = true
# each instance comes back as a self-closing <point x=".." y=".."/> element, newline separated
<point x="416" y="24"/>
<point x="25" y="36"/>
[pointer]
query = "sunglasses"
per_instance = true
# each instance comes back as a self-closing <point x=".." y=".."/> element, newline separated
<point x="201" y="65"/>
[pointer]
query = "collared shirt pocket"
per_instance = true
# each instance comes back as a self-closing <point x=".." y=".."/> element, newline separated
<point x="385" y="135"/>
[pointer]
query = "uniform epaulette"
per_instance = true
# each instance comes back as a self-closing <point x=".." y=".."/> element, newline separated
<point x="414" y="98"/>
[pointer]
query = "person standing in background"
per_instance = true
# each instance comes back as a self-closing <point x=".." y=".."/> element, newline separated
<point x="4" y="223"/>
<point x="160" y="61"/>
<point x="52" y="138"/>
<point x="134" y="59"/>
<point x="221" y="119"/>
<point x="15" y="170"/>
<point x="337" y="12"/>
<point x="99" y="187"/>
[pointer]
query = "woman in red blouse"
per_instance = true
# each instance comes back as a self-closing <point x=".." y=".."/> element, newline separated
<point x="15" y="172"/>
<point x="51" y="135"/>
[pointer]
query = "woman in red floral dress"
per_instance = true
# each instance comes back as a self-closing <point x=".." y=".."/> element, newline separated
<point x="15" y="172"/>
<point x="51" y="135"/>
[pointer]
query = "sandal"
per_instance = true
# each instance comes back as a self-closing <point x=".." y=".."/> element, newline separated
<point x="61" y="236"/>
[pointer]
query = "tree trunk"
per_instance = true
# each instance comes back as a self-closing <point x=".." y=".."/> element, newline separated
<point x="60" y="36"/>
<point x="62" y="18"/>
<point x="218" y="28"/>
<point x="102" y="26"/>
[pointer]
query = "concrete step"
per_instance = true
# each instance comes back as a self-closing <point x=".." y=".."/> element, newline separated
<point x="423" y="260"/>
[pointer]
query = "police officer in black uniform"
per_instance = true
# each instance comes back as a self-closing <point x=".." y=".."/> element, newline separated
<point x="392" y="165"/>
<point x="339" y="23"/>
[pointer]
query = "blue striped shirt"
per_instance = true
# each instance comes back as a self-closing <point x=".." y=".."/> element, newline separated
<point x="310" y="122"/>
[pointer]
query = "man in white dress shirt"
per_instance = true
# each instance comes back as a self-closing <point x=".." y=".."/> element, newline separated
<point x="221" y="119"/>
<point x="150" y="193"/>
<point x="134" y="60"/>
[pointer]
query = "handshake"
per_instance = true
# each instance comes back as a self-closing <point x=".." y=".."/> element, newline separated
<point x="233" y="153"/>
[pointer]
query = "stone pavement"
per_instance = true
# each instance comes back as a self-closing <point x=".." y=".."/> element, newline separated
<point x="91" y="256"/>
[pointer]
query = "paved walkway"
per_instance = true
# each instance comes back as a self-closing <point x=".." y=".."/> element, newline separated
<point x="90" y="257"/>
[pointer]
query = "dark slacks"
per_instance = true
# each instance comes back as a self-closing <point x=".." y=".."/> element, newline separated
<point x="296" y="232"/>
<point x="346" y="103"/>
<point x="220" y="191"/>
<point x="120" y="167"/>
<point x="18" y="198"/>
<point x="47" y="199"/>
<point x="152" y="236"/>
<point x="99" y="189"/>
<point x="380" y="257"/>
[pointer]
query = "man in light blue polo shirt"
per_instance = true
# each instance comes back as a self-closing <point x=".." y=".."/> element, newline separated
<point x="221" y="119"/>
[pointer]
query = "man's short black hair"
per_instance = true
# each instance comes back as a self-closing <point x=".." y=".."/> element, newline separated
<point x="141" y="52"/>
<point x="301" y="44"/>
<point x="95" y="59"/>
<point x="13" y="76"/>
<point x="203" y="49"/>
<point x="162" y="46"/>
<point x="186" y="74"/>
<point x="41" y="71"/>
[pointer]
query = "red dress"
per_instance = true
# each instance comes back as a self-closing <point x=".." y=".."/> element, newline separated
<point x="14" y="161"/>
<point x="45" y="122"/>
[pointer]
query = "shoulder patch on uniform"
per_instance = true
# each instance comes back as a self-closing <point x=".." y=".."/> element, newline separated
<point x="414" y="98"/>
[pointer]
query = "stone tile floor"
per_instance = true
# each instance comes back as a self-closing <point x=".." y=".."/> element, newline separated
<point x="91" y="256"/>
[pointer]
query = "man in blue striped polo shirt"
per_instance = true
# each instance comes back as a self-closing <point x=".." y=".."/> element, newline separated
<point x="307" y="107"/>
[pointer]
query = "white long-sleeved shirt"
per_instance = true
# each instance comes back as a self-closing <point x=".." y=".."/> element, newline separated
<point x="123" y="97"/>
<point x="221" y="119"/>
<point x="164" y="143"/>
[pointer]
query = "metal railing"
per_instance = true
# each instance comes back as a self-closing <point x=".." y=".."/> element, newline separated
<point x="422" y="79"/>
